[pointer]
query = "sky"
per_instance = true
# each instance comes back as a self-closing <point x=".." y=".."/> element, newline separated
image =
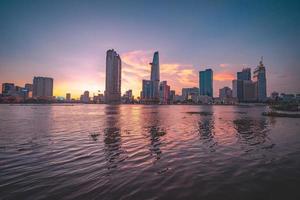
<point x="68" y="40"/>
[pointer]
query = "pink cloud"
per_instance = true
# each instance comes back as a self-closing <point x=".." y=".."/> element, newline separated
<point x="224" y="65"/>
<point x="223" y="76"/>
<point x="136" y="68"/>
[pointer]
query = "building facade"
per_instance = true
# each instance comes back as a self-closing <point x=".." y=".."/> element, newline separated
<point x="68" y="97"/>
<point x="42" y="87"/>
<point x="172" y="96"/>
<point x="29" y="90"/>
<point x="234" y="89"/>
<point x="8" y="89"/>
<point x="113" y="77"/>
<point x="244" y="75"/>
<point x="164" y="93"/>
<point x="85" y="97"/>
<point x="225" y="92"/>
<point x="147" y="90"/>
<point x="249" y="91"/>
<point x="128" y="97"/>
<point x="190" y="93"/>
<point x="206" y="82"/>
<point x="155" y="76"/>
<point x="259" y="77"/>
<point x="150" y="88"/>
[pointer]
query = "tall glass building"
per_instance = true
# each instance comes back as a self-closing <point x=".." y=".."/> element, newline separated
<point x="164" y="92"/>
<point x="147" y="92"/>
<point x="113" y="77"/>
<point x="244" y="75"/>
<point x="259" y="77"/>
<point x="206" y="82"/>
<point x="155" y="76"/>
<point x="150" y="92"/>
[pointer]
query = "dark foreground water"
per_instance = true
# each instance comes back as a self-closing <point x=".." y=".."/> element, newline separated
<point x="147" y="152"/>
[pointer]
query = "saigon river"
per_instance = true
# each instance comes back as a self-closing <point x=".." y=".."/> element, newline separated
<point x="147" y="152"/>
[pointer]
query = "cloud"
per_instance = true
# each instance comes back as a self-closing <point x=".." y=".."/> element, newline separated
<point x="224" y="65"/>
<point x="136" y="68"/>
<point x="223" y="76"/>
<point x="178" y="75"/>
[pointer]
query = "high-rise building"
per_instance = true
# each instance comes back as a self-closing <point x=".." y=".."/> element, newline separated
<point x="172" y="96"/>
<point x="240" y="89"/>
<point x="259" y="77"/>
<point x="42" y="87"/>
<point x="155" y="76"/>
<point x="150" y="92"/>
<point x="234" y="88"/>
<point x="8" y="89"/>
<point x="164" y="92"/>
<point x="147" y="93"/>
<point x="68" y="97"/>
<point x="113" y="77"/>
<point x="238" y="85"/>
<point x="85" y="98"/>
<point x="249" y="91"/>
<point x="244" y="75"/>
<point x="206" y="82"/>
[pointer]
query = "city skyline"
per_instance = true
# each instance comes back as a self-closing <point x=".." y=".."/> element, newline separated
<point x="206" y="80"/>
<point x="72" y="47"/>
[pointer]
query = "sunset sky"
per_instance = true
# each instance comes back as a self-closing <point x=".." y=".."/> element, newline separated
<point x="68" y="40"/>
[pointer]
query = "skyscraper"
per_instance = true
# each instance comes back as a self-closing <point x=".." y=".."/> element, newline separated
<point x="249" y="91"/>
<point x="68" y="97"/>
<point x="244" y="75"/>
<point x="234" y="88"/>
<point x="147" y="92"/>
<point x="172" y="96"/>
<point x="206" y="82"/>
<point x="164" y="92"/>
<point x="42" y="87"/>
<point x="86" y="97"/>
<point x="155" y="76"/>
<point x="150" y="92"/>
<point x="113" y="77"/>
<point x="238" y="85"/>
<point x="259" y="77"/>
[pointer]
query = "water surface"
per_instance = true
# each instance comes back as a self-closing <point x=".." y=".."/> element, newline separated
<point x="147" y="152"/>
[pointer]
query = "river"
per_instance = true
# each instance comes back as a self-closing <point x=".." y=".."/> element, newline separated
<point x="147" y="152"/>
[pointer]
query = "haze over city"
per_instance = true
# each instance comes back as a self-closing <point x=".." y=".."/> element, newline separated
<point x="68" y="40"/>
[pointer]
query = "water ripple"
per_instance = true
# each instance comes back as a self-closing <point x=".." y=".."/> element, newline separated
<point x="147" y="152"/>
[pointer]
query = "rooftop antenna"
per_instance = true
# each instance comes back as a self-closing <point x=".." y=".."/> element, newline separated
<point x="261" y="60"/>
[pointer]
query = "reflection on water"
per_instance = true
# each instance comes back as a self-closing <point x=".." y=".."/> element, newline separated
<point x="147" y="152"/>
<point x="253" y="133"/>
<point x="154" y="131"/>
<point x="206" y="128"/>
<point x="112" y="137"/>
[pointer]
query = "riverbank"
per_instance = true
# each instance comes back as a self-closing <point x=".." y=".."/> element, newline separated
<point x="281" y="114"/>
